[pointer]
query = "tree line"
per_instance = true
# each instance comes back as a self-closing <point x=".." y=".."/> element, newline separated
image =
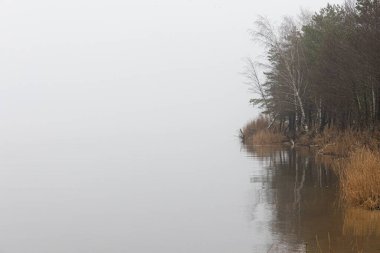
<point x="322" y="70"/>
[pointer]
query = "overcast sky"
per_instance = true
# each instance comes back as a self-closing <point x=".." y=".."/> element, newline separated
<point x="85" y="69"/>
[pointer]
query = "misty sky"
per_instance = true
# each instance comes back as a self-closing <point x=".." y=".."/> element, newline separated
<point x="84" y="69"/>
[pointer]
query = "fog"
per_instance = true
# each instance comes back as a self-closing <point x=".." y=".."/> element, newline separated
<point x="117" y="114"/>
<point x="75" y="68"/>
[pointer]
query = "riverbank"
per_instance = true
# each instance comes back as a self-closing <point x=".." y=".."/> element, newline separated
<point x="355" y="156"/>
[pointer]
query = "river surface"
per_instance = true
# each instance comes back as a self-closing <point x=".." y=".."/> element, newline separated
<point x="172" y="195"/>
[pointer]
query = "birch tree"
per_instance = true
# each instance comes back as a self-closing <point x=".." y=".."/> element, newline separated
<point x="285" y="56"/>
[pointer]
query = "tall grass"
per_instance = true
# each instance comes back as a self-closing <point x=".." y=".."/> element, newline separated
<point x="342" y="143"/>
<point x="266" y="137"/>
<point x="358" y="165"/>
<point x="257" y="132"/>
<point x="360" y="178"/>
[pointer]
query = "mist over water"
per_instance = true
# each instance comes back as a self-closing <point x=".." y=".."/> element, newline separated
<point x="119" y="123"/>
<point x="164" y="195"/>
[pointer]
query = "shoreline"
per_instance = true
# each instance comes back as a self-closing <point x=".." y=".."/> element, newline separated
<point x="355" y="157"/>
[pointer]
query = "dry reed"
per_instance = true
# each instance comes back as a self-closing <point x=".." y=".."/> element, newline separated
<point x="360" y="178"/>
<point x="343" y="143"/>
<point x="256" y="132"/>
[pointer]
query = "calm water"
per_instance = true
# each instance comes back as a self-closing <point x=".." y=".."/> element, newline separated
<point x="296" y="203"/>
<point x="171" y="194"/>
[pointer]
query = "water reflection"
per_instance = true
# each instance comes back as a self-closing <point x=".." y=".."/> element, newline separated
<point x="300" y="198"/>
<point x="361" y="223"/>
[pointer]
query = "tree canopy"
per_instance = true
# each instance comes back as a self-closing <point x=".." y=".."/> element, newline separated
<point x="322" y="72"/>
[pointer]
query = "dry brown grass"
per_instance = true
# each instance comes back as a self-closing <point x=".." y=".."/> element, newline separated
<point x="266" y="137"/>
<point x="256" y="125"/>
<point x="357" y="162"/>
<point x="338" y="143"/>
<point x="360" y="178"/>
<point x="256" y="132"/>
